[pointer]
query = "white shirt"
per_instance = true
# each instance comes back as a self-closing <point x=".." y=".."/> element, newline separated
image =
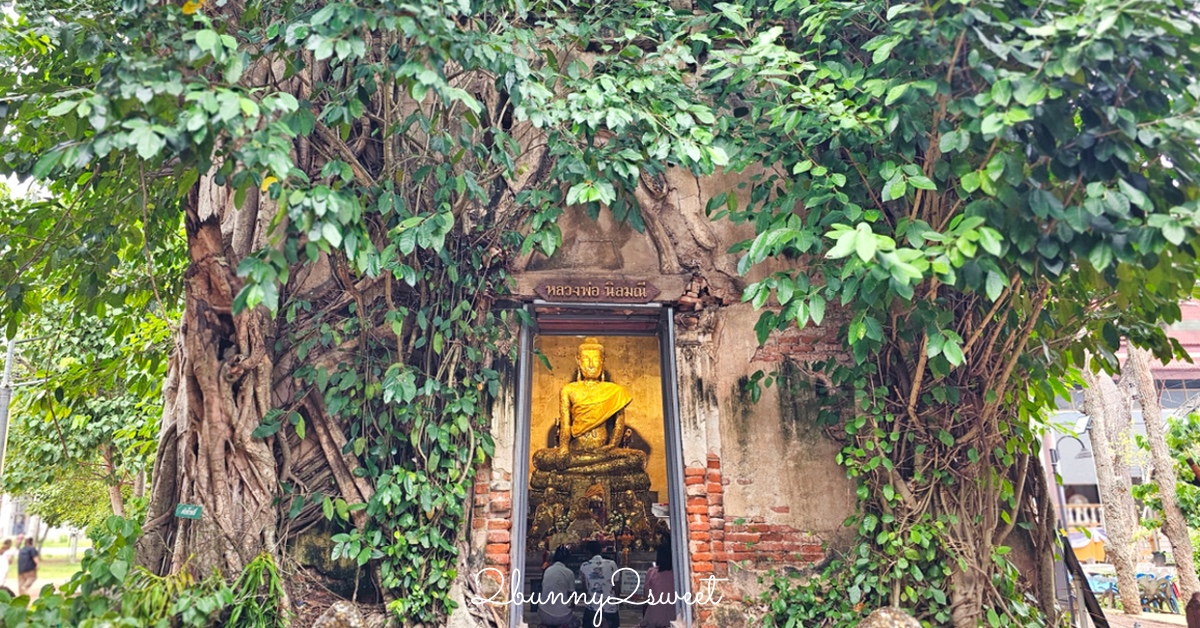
<point x="598" y="580"/>
<point x="6" y="560"/>
<point x="558" y="584"/>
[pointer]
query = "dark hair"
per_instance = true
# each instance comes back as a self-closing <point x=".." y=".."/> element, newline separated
<point x="663" y="558"/>
<point x="561" y="554"/>
<point x="29" y="542"/>
<point x="593" y="547"/>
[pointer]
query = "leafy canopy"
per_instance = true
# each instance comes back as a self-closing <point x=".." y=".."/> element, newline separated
<point x="979" y="193"/>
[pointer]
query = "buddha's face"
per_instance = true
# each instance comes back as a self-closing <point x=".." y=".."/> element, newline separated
<point x="591" y="362"/>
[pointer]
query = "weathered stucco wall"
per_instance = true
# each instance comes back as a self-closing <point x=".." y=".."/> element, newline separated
<point x="763" y="489"/>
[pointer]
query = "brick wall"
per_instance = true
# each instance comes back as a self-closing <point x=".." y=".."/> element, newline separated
<point x="721" y="542"/>
<point x="491" y="518"/>
<point x="806" y="345"/>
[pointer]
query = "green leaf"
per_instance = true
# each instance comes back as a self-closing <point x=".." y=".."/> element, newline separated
<point x="207" y="39"/>
<point x="44" y="165"/>
<point x="992" y="124"/>
<point x="953" y="352"/>
<point x="895" y="188"/>
<point x="995" y="285"/>
<point x="816" y="308"/>
<point x="865" y="244"/>
<point x="62" y="108"/>
<point x="970" y="182"/>
<point x="119" y="569"/>
<point x="895" y="93"/>
<point x="1174" y="232"/>
<point x="847" y="243"/>
<point x="922" y="182"/>
<point x="332" y="234"/>
<point x="1002" y="92"/>
<point x="990" y="240"/>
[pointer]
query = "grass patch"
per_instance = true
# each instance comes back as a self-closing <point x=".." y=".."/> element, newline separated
<point x="56" y="570"/>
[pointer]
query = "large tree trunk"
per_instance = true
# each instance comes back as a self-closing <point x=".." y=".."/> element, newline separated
<point x="1174" y="523"/>
<point x="218" y="391"/>
<point x="1109" y="411"/>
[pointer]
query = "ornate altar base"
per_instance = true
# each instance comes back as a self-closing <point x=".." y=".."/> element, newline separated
<point x="570" y="508"/>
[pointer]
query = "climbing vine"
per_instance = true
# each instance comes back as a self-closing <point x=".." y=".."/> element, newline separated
<point x="354" y="180"/>
<point x="976" y="195"/>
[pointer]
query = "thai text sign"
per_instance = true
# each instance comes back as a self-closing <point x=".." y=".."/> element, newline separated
<point x="188" y="511"/>
<point x="597" y="291"/>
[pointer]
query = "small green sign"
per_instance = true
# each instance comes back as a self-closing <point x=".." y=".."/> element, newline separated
<point x="187" y="511"/>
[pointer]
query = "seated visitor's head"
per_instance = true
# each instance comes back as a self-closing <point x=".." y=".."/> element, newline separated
<point x="561" y="554"/>
<point x="593" y="547"/>
<point x="662" y="556"/>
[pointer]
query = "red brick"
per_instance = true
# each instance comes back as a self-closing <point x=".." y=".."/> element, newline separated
<point x="498" y="536"/>
<point x="702" y="567"/>
<point x="714" y="488"/>
<point x="697" y="509"/>
<point x="745" y="481"/>
<point x="499" y="524"/>
<point x="781" y="509"/>
<point x="713" y="476"/>
<point x="716" y="511"/>
<point x="693" y="480"/>
<point x="481" y="500"/>
<point x="477" y="523"/>
<point x="698" y="526"/>
<point x="718" y="535"/>
<point x="703" y="556"/>
<point x="700" y="536"/>
<point x="716" y="523"/>
<point x="690" y="471"/>
<point x="501" y="505"/>
<point x="695" y="490"/>
<point x="697" y="501"/>
<point x="741" y="537"/>
<point x="716" y="500"/>
<point x="481" y="488"/>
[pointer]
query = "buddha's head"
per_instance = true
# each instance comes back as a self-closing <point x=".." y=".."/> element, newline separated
<point x="590" y="358"/>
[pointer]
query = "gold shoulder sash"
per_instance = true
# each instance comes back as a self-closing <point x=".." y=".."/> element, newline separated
<point x="595" y="405"/>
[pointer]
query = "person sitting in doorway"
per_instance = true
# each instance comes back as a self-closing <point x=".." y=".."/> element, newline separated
<point x="660" y="590"/>
<point x="597" y="575"/>
<point x="558" y="585"/>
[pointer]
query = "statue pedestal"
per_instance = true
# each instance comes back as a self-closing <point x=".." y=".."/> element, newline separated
<point x="615" y="502"/>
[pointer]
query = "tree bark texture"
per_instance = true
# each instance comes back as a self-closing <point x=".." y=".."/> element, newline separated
<point x="1109" y="413"/>
<point x="218" y="389"/>
<point x="1174" y="523"/>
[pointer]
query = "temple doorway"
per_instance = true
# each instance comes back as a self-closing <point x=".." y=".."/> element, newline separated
<point x="598" y="453"/>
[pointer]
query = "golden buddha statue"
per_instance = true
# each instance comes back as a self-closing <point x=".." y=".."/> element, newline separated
<point x="581" y="477"/>
<point x="585" y="407"/>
